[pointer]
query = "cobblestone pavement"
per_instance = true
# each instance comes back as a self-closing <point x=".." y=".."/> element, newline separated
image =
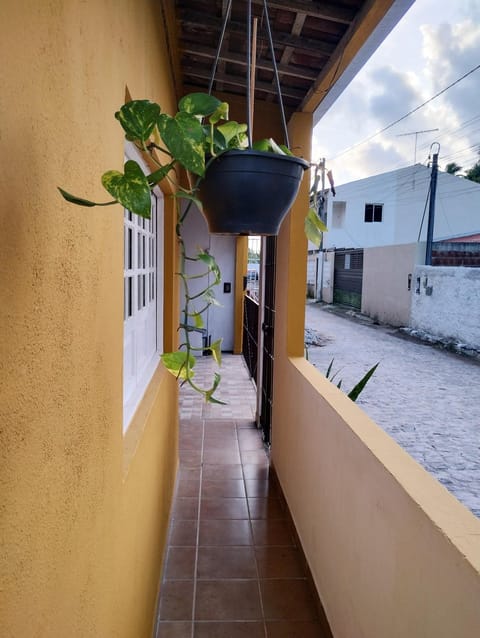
<point x="427" y="399"/>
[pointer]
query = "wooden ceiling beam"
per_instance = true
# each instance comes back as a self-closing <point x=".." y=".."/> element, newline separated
<point x="197" y="23"/>
<point x="192" y="73"/>
<point x="262" y="63"/>
<point x="322" y="10"/>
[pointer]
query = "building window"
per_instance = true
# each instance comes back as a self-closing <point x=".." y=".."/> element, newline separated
<point x="143" y="303"/>
<point x="373" y="212"/>
<point x="338" y="214"/>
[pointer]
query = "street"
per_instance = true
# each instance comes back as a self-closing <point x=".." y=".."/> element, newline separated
<point x="425" y="398"/>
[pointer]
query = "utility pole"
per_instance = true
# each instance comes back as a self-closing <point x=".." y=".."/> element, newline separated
<point x="431" y="207"/>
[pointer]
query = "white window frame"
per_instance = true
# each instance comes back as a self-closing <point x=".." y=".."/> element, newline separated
<point x="143" y="298"/>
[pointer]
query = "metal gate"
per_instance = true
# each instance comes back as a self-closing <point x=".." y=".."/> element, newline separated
<point x="268" y="328"/>
<point x="250" y="336"/>
<point x="348" y="273"/>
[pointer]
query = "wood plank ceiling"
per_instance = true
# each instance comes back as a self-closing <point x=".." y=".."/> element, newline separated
<point x="308" y="35"/>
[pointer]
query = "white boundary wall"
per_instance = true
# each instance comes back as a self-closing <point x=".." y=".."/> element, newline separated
<point x="446" y="303"/>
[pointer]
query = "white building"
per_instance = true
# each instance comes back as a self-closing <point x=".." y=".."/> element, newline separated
<point x="391" y="208"/>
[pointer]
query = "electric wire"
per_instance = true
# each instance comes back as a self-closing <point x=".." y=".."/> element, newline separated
<point x="400" y="119"/>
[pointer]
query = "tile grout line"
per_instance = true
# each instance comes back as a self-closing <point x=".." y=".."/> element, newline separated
<point x="197" y="539"/>
<point x="251" y="533"/>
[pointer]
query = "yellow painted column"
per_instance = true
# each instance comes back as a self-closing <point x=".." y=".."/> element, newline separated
<point x="241" y="260"/>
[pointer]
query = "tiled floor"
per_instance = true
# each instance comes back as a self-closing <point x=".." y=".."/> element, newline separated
<point x="232" y="567"/>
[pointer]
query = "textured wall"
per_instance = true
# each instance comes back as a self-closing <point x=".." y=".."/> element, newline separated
<point x="81" y="535"/>
<point x="385" y="292"/>
<point x="446" y="303"/>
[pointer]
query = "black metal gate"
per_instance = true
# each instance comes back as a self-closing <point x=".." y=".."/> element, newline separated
<point x="268" y="328"/>
<point x="348" y="274"/>
<point x="250" y="336"/>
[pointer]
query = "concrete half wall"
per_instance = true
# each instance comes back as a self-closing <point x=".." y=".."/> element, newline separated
<point x="392" y="553"/>
<point x="387" y="272"/>
<point x="446" y="303"/>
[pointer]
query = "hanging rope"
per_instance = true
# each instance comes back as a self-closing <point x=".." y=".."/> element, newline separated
<point x="219" y="47"/>
<point x="250" y="90"/>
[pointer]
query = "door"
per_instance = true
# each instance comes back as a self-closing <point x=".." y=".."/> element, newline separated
<point x="347" y="280"/>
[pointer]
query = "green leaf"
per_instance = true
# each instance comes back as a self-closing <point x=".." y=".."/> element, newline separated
<point x="213" y="267"/>
<point x="221" y="113"/>
<point x="276" y="148"/>
<point x="209" y="393"/>
<point x="216" y="350"/>
<point x="179" y="364"/>
<point x="286" y="150"/>
<point x="262" y="145"/>
<point x="130" y="189"/>
<point x="230" y="130"/>
<point x="356" y="391"/>
<point x="138" y="119"/>
<point x="197" y="320"/>
<point x="181" y="194"/>
<point x="209" y="297"/>
<point x="314" y="227"/>
<point x="184" y="137"/>
<point x="162" y="172"/>
<point x="82" y="202"/>
<point x="199" y="104"/>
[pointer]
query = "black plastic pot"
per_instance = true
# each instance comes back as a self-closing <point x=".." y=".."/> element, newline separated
<point x="250" y="192"/>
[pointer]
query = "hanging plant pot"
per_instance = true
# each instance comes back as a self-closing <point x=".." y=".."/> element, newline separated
<point x="248" y="192"/>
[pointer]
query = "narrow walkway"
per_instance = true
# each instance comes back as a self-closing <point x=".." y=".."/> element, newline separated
<point x="233" y="568"/>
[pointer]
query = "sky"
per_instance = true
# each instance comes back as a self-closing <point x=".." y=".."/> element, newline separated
<point x="434" y="44"/>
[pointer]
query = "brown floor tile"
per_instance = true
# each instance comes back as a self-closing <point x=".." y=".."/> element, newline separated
<point x="221" y="472"/>
<point x="178" y="629"/>
<point x="248" y="440"/>
<point x="215" y="429"/>
<point x="260" y="488"/>
<point x="225" y="532"/>
<point x="188" y="473"/>
<point x="256" y="471"/>
<point x="223" y="488"/>
<point x="190" y="441"/>
<point x="226" y="562"/>
<point x="221" y="457"/>
<point x="287" y="599"/>
<point x="180" y="563"/>
<point x="285" y="629"/>
<point x="246" y="423"/>
<point x="224" y="508"/>
<point x="183" y="533"/>
<point x="254" y="457"/>
<point x="190" y="458"/>
<point x="188" y="487"/>
<point x="270" y="508"/>
<point x="176" y="600"/>
<point x="229" y="630"/>
<point x="185" y="507"/>
<point x="227" y="600"/>
<point x="280" y="562"/>
<point x="272" y="532"/>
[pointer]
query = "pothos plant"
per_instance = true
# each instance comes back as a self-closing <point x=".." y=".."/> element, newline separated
<point x="198" y="133"/>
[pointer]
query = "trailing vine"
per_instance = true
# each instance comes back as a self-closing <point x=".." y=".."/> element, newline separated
<point x="199" y="132"/>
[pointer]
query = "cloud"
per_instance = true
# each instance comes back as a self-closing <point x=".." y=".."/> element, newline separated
<point x="432" y="47"/>
<point x="393" y="96"/>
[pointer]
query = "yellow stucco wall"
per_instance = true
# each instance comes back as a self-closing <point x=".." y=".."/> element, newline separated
<point x="392" y="553"/>
<point x="83" y="509"/>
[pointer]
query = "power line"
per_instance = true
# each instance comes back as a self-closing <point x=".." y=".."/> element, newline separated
<point x="400" y="119"/>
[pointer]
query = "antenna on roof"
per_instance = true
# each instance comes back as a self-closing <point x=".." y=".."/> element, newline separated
<point x="416" y="133"/>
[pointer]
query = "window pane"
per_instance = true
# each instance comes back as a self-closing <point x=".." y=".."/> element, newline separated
<point x="369" y="212"/>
